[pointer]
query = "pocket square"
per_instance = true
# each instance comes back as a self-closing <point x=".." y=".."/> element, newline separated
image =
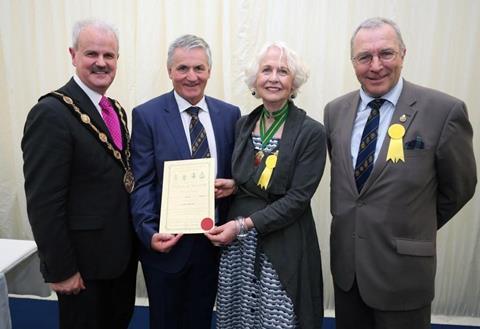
<point x="415" y="144"/>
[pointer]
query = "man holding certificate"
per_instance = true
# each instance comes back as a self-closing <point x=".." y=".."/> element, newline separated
<point x="180" y="269"/>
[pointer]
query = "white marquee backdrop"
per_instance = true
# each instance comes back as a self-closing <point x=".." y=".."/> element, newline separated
<point x="443" y="45"/>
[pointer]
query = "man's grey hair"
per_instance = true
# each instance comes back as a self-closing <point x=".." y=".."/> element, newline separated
<point x="188" y="41"/>
<point x="99" y="24"/>
<point x="375" y="23"/>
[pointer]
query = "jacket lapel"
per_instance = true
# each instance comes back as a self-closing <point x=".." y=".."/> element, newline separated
<point x="85" y="104"/>
<point x="348" y="115"/>
<point x="218" y="128"/>
<point x="175" y="125"/>
<point x="243" y="153"/>
<point x="404" y="108"/>
<point x="291" y="129"/>
<point x="124" y="129"/>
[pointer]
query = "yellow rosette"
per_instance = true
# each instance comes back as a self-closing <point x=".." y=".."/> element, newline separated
<point x="264" y="179"/>
<point x="395" y="149"/>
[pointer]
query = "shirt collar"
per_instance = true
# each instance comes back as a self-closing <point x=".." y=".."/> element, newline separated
<point x="392" y="96"/>
<point x="93" y="95"/>
<point x="183" y="104"/>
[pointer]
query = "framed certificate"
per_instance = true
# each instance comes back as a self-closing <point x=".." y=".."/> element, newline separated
<point x="188" y="196"/>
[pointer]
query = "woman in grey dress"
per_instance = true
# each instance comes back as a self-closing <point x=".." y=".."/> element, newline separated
<point x="270" y="269"/>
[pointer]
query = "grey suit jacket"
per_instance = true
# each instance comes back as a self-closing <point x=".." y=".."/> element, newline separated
<point x="385" y="236"/>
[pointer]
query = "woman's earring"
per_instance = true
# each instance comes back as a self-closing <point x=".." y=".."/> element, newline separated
<point x="254" y="92"/>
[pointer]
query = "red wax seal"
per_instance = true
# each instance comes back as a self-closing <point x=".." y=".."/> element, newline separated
<point x="206" y="224"/>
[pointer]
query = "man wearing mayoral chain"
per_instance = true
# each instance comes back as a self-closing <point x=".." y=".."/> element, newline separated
<point x="77" y="181"/>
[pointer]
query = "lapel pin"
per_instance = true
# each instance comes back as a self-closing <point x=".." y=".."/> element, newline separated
<point x="403" y="118"/>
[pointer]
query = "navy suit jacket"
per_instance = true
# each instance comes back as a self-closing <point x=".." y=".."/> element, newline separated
<point x="158" y="136"/>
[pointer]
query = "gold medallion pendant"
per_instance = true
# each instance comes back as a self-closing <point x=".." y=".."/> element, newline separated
<point x="129" y="181"/>
<point x="258" y="158"/>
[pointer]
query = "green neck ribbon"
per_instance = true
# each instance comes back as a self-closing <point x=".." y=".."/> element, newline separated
<point x="280" y="116"/>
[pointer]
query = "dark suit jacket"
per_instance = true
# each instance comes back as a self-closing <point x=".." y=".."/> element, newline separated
<point x="284" y="219"/>
<point x="157" y="136"/>
<point x="386" y="235"/>
<point x="76" y="201"/>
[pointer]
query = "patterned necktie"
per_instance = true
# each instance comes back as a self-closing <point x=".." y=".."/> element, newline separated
<point x="111" y="120"/>
<point x="198" y="137"/>
<point x="368" y="143"/>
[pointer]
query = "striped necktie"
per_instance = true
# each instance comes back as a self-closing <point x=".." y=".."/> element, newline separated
<point x="368" y="143"/>
<point x="198" y="137"/>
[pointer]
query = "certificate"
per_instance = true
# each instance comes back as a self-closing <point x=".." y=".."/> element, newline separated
<point x="188" y="196"/>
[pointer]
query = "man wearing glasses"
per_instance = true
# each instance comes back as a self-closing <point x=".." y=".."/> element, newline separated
<point x="402" y="167"/>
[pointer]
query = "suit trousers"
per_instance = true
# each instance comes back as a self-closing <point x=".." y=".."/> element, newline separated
<point x="351" y="312"/>
<point x="184" y="300"/>
<point x="104" y="304"/>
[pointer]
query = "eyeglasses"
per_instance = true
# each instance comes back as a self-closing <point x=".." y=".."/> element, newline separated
<point x="386" y="55"/>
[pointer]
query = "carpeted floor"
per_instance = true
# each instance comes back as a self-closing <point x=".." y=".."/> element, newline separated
<point x="42" y="314"/>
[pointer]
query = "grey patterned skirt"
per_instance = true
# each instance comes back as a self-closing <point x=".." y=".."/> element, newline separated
<point x="245" y="301"/>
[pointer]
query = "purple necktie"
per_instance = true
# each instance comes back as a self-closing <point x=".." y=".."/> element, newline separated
<point x="111" y="120"/>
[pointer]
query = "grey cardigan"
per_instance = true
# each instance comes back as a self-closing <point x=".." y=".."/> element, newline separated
<point x="286" y="229"/>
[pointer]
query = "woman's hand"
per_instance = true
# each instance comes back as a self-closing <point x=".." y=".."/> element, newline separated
<point x="223" y="235"/>
<point x="224" y="187"/>
<point x="163" y="242"/>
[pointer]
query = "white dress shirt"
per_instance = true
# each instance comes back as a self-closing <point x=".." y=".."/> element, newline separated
<point x="363" y="111"/>
<point x="93" y="95"/>
<point x="204" y="117"/>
